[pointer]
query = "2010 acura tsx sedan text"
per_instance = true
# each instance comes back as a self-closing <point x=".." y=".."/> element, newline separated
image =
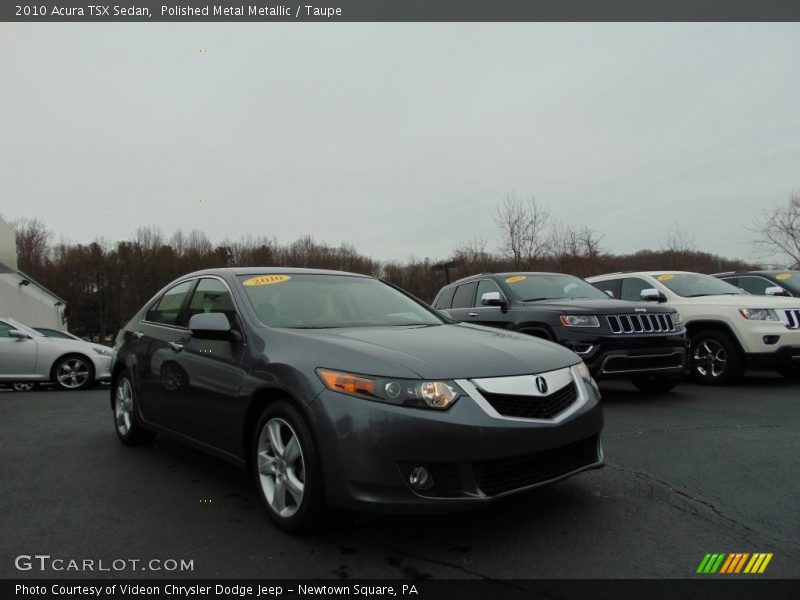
<point x="341" y="390"/>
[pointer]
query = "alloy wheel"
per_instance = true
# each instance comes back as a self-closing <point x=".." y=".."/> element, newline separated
<point x="281" y="467"/>
<point x="710" y="358"/>
<point x="72" y="373"/>
<point x="123" y="407"/>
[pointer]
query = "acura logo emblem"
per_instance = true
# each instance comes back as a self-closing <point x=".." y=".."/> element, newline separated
<point x="541" y="385"/>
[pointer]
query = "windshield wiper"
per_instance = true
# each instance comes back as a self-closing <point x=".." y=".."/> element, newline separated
<point x="721" y="294"/>
<point x="537" y="299"/>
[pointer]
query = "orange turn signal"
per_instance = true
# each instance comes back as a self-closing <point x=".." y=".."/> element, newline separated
<point x="347" y="383"/>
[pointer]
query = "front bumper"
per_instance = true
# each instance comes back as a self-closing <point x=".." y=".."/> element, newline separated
<point x="624" y="356"/>
<point x="367" y="450"/>
<point x="782" y="357"/>
<point x="102" y="367"/>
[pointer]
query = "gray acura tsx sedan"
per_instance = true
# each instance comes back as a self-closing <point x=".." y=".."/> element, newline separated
<point x="341" y="390"/>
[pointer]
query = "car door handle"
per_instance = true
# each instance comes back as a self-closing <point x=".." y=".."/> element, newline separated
<point x="472" y="314"/>
<point x="176" y="346"/>
<point x="138" y="334"/>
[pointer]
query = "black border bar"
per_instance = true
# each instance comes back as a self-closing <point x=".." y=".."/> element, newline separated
<point x="401" y="11"/>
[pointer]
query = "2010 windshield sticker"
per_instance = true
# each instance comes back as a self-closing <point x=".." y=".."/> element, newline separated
<point x="266" y="280"/>
<point x="783" y="276"/>
<point x="665" y="277"/>
<point x="516" y="279"/>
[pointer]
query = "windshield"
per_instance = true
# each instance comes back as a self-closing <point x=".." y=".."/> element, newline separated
<point x="551" y="286"/>
<point x="789" y="280"/>
<point x="324" y="301"/>
<point x="692" y="285"/>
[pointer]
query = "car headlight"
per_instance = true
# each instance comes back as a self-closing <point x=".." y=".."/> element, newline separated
<point x="583" y="370"/>
<point x="676" y="318"/>
<point x="579" y="321"/>
<point x="759" y="314"/>
<point x="102" y="351"/>
<point x="439" y="395"/>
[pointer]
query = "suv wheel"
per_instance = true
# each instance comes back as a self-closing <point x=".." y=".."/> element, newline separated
<point x="715" y="358"/>
<point x="286" y="468"/>
<point x="656" y="384"/>
<point x="128" y="430"/>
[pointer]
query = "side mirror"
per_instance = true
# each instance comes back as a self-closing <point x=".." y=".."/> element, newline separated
<point x="20" y="335"/>
<point x="493" y="299"/>
<point x="610" y="293"/>
<point x="776" y="291"/>
<point x="211" y="326"/>
<point x="652" y="295"/>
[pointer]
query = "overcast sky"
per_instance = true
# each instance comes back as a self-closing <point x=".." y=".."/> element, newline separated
<point x="400" y="138"/>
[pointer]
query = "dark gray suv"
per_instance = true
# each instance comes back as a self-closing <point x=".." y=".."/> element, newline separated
<point x="341" y="390"/>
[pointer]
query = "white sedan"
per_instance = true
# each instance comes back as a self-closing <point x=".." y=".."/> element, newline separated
<point x="27" y="357"/>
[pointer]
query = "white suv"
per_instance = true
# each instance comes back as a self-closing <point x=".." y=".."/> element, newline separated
<point x="729" y="330"/>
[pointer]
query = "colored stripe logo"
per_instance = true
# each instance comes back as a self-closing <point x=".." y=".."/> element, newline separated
<point x="734" y="562"/>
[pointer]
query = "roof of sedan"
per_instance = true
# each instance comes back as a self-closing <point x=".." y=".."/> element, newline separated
<point x="272" y="270"/>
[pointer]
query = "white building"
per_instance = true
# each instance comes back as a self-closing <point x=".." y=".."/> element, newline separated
<point x="22" y="298"/>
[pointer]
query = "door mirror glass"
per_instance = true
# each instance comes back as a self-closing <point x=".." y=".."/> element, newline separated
<point x="776" y="291"/>
<point x="652" y="295"/>
<point x="493" y="299"/>
<point x="210" y="326"/>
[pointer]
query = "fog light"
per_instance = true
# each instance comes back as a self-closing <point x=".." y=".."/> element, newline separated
<point x="420" y="478"/>
<point x="771" y="340"/>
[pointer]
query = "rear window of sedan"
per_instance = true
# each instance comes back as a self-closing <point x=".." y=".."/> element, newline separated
<point x="305" y="301"/>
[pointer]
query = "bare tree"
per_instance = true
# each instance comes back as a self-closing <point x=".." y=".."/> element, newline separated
<point x="679" y="240"/>
<point x="778" y="230"/>
<point x="522" y="224"/>
<point x="33" y="245"/>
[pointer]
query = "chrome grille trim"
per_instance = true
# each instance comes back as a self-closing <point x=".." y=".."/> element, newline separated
<point x="792" y="318"/>
<point x="643" y="323"/>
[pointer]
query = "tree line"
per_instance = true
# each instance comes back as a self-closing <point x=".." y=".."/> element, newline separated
<point x="104" y="283"/>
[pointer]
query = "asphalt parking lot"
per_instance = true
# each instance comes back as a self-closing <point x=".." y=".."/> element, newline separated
<point x="697" y="470"/>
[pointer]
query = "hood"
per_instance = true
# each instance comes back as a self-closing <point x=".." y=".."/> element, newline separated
<point x="457" y="351"/>
<point x="596" y="307"/>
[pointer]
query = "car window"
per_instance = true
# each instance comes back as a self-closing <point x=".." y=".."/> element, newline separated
<point x="755" y="285"/>
<point x="464" y="295"/>
<point x="609" y="285"/>
<point x="484" y="286"/>
<point x="167" y="309"/>
<point x="445" y="298"/>
<point x="317" y="301"/>
<point x="632" y="287"/>
<point x="4" y="329"/>
<point x="211" y="295"/>
<point x="695" y="285"/>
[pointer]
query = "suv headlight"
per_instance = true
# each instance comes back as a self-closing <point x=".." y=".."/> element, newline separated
<point x="438" y="395"/>
<point x="579" y="321"/>
<point x="759" y="314"/>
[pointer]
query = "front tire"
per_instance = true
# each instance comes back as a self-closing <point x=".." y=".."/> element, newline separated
<point x="128" y="430"/>
<point x="656" y="384"/>
<point x="286" y="468"/>
<point x="715" y="358"/>
<point x="73" y="372"/>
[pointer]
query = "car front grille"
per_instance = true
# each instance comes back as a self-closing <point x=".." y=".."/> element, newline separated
<point x="793" y="318"/>
<point x="641" y="323"/>
<point x="506" y="474"/>
<point x="622" y="364"/>
<point x="533" y="407"/>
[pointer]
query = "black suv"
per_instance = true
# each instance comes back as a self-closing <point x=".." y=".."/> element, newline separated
<point x="616" y="339"/>
<point x="765" y="283"/>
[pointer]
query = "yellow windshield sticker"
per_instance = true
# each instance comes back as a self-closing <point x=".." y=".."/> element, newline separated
<point x="665" y="277"/>
<point x="516" y="279"/>
<point x="783" y="276"/>
<point x="266" y="279"/>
